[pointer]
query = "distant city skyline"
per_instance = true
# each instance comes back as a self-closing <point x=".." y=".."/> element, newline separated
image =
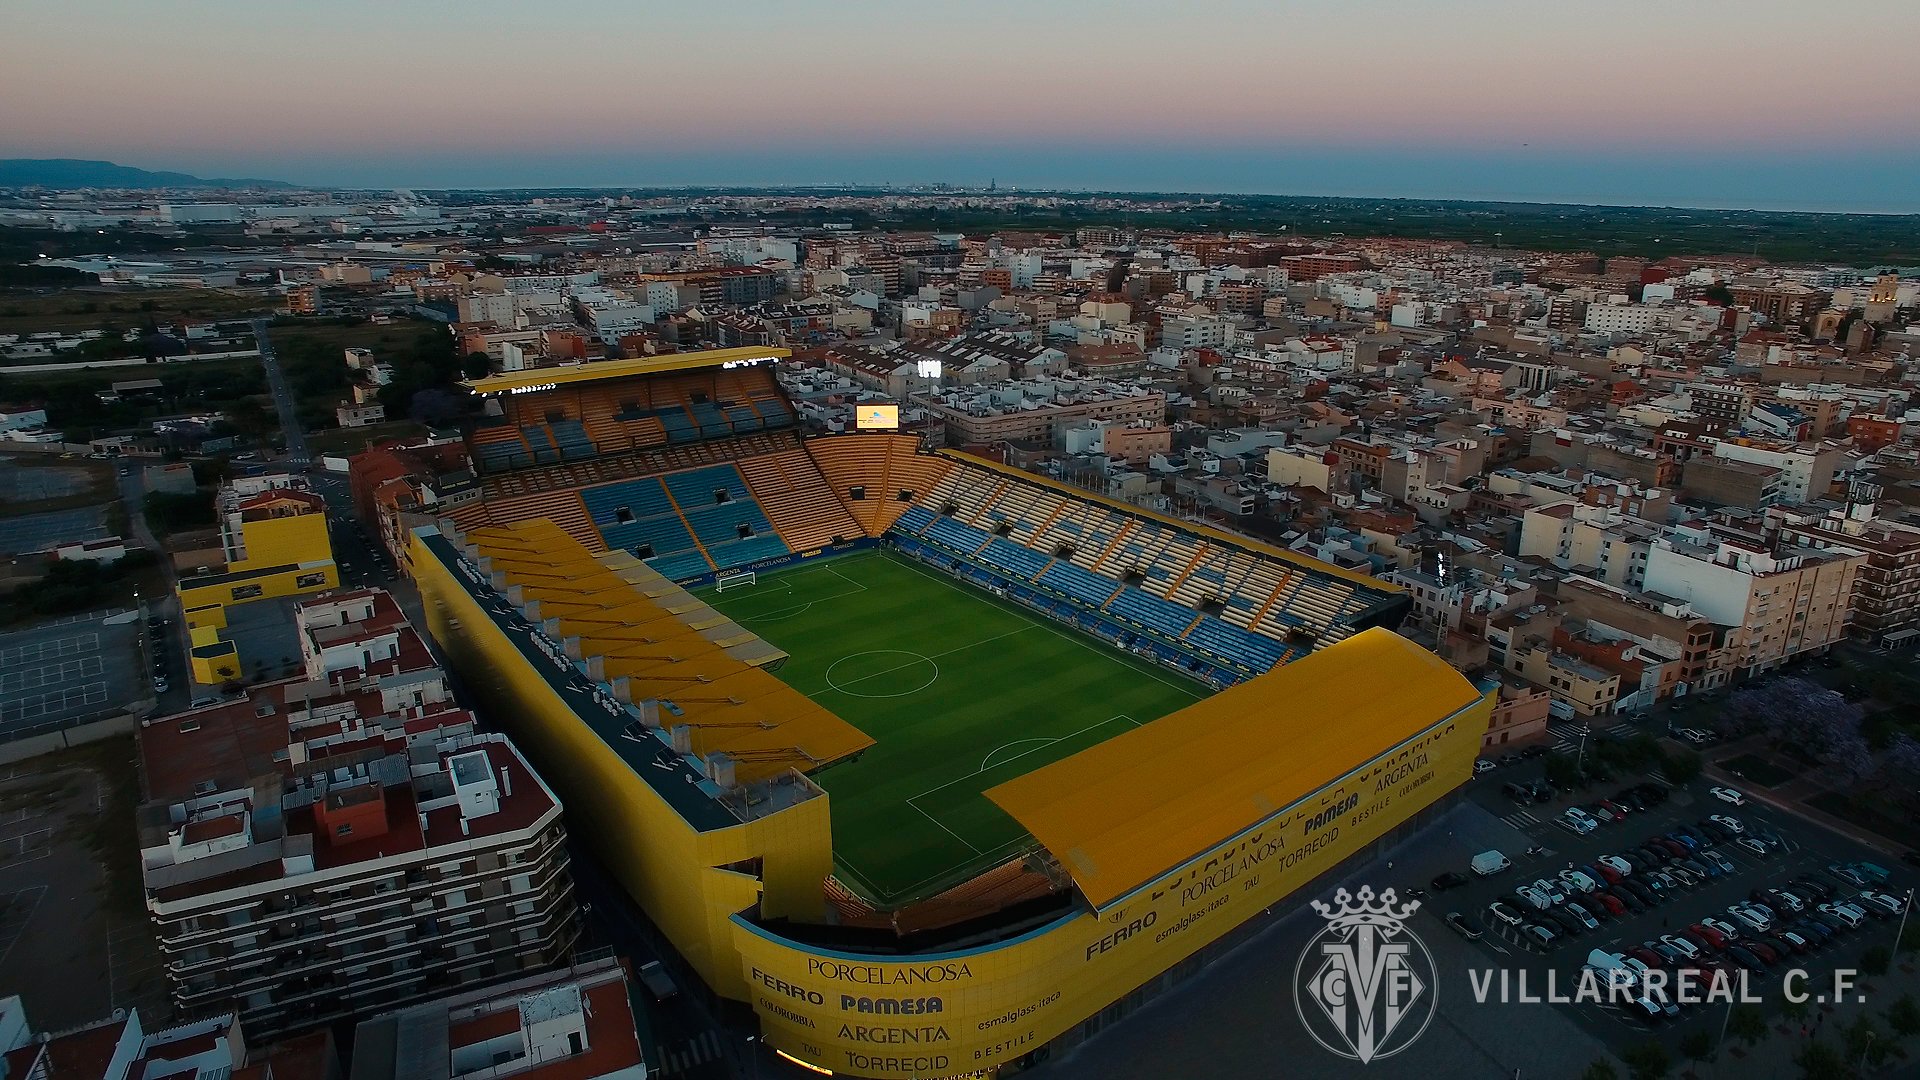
<point x="1715" y="105"/>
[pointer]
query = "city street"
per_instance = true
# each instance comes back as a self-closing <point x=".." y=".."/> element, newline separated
<point x="283" y="400"/>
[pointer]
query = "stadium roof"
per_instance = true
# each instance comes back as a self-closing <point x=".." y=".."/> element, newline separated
<point x="535" y="379"/>
<point x="1373" y="584"/>
<point x="632" y="623"/>
<point x="1125" y="812"/>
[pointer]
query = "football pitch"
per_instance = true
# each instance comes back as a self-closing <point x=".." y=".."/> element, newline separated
<point x="959" y="690"/>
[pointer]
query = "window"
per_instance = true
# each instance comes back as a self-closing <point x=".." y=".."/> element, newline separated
<point x="252" y="592"/>
<point x="858" y="493"/>
<point x="343" y="829"/>
<point x="903" y="496"/>
<point x="644" y="551"/>
<point x="306" y="581"/>
<point x="623" y="515"/>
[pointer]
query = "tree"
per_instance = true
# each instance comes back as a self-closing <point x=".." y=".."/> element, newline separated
<point x="1697" y="1044"/>
<point x="1682" y="765"/>
<point x="477" y="365"/>
<point x="1601" y="1069"/>
<point x="1903" y="1016"/>
<point x="1910" y="938"/>
<point x="1647" y="1060"/>
<point x="1747" y="1024"/>
<point x="1820" y="1061"/>
<point x="1861" y="1040"/>
<point x="1718" y="295"/>
<point x="1876" y="959"/>
<point x="1807" y="720"/>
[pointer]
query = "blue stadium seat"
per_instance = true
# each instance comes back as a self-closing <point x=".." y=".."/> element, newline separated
<point x="1150" y="611"/>
<point x="683" y="565"/>
<point x="695" y="487"/>
<point x="915" y="519"/>
<point x="643" y="498"/>
<point x="741" y="552"/>
<point x="1083" y="585"/>
<point x="1021" y="562"/>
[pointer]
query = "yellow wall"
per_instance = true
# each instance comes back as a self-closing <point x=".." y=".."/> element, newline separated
<point x="666" y="865"/>
<point x="979" y="1008"/>
<point x="226" y="590"/>
<point x="301" y="538"/>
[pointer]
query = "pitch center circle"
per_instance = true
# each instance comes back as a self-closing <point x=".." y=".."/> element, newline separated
<point x="905" y="666"/>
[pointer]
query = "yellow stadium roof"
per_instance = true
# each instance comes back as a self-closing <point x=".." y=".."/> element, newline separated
<point x="1130" y="810"/>
<point x="669" y="647"/>
<point x="537" y="379"/>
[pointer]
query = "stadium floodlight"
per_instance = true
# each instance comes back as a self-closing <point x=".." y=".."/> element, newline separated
<point x="928" y="368"/>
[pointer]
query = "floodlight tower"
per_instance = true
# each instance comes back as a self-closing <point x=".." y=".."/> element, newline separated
<point x="929" y="370"/>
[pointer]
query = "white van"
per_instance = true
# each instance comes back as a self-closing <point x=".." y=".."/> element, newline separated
<point x="1489" y="863"/>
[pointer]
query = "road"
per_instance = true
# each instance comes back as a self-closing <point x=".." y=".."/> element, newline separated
<point x="283" y="400"/>
<point x="166" y="654"/>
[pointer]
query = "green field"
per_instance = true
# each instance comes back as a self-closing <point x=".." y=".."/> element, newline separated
<point x="959" y="690"/>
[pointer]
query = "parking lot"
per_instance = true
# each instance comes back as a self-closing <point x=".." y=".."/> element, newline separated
<point x="41" y="532"/>
<point x="67" y="672"/>
<point x="1717" y="871"/>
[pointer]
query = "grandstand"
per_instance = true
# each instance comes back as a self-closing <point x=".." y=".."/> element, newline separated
<point x="688" y="462"/>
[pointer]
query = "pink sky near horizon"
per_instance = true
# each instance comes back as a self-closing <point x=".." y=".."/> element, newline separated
<point x="235" y="82"/>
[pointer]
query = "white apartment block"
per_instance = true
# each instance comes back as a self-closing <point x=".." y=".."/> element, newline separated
<point x="345" y="840"/>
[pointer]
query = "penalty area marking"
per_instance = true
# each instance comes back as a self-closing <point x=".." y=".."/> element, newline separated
<point x="784" y="583"/>
<point x="988" y="762"/>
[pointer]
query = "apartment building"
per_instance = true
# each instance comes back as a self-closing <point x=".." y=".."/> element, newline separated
<point x="345" y="840"/>
<point x="730" y="286"/>
<point x="123" y="1047"/>
<point x="1687" y="645"/>
<point x="1599" y="541"/>
<point x="1775" y="605"/>
<point x="575" y="1023"/>
<point x="1886" y="590"/>
<point x="1585" y="688"/>
<point x="1040" y="409"/>
<point x="1520" y="714"/>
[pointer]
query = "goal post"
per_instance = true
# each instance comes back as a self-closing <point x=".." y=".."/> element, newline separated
<point x="725" y="581"/>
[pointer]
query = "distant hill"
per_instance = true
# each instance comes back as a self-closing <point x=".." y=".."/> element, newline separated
<point x="75" y="173"/>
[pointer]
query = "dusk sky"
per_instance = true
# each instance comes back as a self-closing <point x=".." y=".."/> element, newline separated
<point x="1767" y="103"/>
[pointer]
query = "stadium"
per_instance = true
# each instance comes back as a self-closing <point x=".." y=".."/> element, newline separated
<point x="934" y="764"/>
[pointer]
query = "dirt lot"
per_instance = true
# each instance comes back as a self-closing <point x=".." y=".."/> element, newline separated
<point x="74" y="940"/>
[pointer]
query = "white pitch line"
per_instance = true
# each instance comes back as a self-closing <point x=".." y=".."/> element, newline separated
<point x="943" y="828"/>
<point x="1075" y="637"/>
<point x="927" y="658"/>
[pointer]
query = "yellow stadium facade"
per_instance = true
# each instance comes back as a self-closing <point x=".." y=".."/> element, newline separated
<point x="1170" y="844"/>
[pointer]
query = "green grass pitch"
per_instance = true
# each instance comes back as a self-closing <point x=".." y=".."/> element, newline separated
<point x="959" y="690"/>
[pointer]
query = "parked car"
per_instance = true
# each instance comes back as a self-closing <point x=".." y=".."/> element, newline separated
<point x="1463" y="926"/>
<point x="1749" y="917"/>
<point x="1728" y="795"/>
<point x="1506" y="914"/>
<point x="1877" y="905"/>
<point x="1481" y="766"/>
<point x="1729" y="823"/>
<point x="1705" y="936"/>
<point x="1686" y="949"/>
<point x="1615" y="862"/>
<point x="1586" y="916"/>
<point x="1752" y="846"/>
<point x="1746" y="959"/>
<point x="1887" y="902"/>
<point x="1574" y="881"/>
<point x="1722" y="927"/>
<point x="1845" y="915"/>
<point x="1540" y="935"/>
<point x="1448" y="880"/>
<point x="1534" y="897"/>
